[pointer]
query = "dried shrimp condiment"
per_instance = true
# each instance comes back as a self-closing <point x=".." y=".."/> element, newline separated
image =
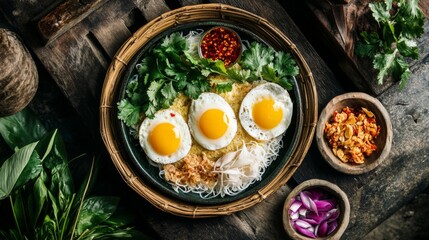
<point x="351" y="134"/>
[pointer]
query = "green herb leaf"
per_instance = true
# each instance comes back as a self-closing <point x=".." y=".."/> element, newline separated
<point x="21" y="128"/>
<point x="13" y="167"/>
<point x="285" y="65"/>
<point x="408" y="48"/>
<point x="384" y="63"/>
<point x="129" y="113"/>
<point x="95" y="210"/>
<point x="380" y="10"/>
<point x="223" y="87"/>
<point x="399" y="26"/>
<point x="169" y="93"/>
<point x="257" y="56"/>
<point x="370" y="46"/>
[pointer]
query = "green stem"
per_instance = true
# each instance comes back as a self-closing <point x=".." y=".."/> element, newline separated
<point x="66" y="216"/>
<point x="392" y="30"/>
<point x="83" y="198"/>
<point x="14" y="216"/>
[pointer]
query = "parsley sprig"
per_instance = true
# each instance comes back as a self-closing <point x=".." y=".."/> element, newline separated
<point x="174" y="67"/>
<point x="400" y="23"/>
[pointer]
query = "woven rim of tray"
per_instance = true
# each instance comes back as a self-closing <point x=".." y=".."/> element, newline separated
<point x="112" y="83"/>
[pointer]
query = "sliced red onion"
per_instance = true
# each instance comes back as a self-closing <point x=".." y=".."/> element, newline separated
<point x="317" y="193"/>
<point x="314" y="213"/>
<point x="332" y="214"/>
<point x="303" y="211"/>
<point x="303" y="224"/>
<point x="295" y="206"/>
<point x="318" y="218"/>
<point x="324" y="205"/>
<point x="310" y="220"/>
<point x="331" y="227"/>
<point x="308" y="202"/>
<point x="304" y="231"/>
<point x="294" y="215"/>
<point x="322" y="229"/>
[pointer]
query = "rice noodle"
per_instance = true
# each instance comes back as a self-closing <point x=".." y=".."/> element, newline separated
<point x="236" y="170"/>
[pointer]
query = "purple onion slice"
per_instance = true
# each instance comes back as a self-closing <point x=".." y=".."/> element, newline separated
<point x="308" y="202"/>
<point x="317" y="193"/>
<point x="324" y="205"/>
<point x="331" y="227"/>
<point x="322" y="230"/>
<point x="304" y="231"/>
<point x="332" y="214"/>
<point x="303" y="224"/>
<point x="295" y="205"/>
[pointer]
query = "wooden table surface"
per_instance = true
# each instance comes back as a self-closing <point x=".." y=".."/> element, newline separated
<point x="76" y="55"/>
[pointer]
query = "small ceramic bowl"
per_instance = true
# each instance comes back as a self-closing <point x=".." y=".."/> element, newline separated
<point x="228" y="45"/>
<point x="383" y="140"/>
<point x="334" y="192"/>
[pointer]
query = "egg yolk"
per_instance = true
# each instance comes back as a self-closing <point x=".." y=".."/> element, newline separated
<point x="213" y="123"/>
<point x="164" y="139"/>
<point x="266" y="114"/>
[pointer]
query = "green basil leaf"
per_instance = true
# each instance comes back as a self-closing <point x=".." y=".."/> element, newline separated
<point x="95" y="210"/>
<point x="12" y="168"/>
<point x="21" y="129"/>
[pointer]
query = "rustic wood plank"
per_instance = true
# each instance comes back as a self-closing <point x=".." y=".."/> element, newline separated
<point x="268" y="212"/>
<point x="111" y="35"/>
<point x="65" y="16"/>
<point x="189" y="2"/>
<point x="83" y="63"/>
<point x="173" y="227"/>
<point x="151" y="8"/>
<point x="20" y="13"/>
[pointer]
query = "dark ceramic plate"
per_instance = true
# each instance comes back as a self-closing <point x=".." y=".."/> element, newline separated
<point x="151" y="173"/>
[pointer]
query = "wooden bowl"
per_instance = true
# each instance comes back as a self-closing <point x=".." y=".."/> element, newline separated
<point x="335" y="191"/>
<point x="383" y="140"/>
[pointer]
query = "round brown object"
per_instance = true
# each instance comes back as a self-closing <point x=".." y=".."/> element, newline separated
<point x="18" y="74"/>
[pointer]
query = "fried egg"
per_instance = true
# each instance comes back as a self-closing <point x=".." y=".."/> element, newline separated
<point x="212" y="121"/>
<point x="165" y="138"/>
<point x="266" y="111"/>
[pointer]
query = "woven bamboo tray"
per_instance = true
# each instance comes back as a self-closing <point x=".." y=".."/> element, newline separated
<point x="204" y="12"/>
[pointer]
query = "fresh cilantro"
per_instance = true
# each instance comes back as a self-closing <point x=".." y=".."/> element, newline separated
<point x="223" y="87"/>
<point x="401" y="22"/>
<point x="128" y="112"/>
<point x="257" y="56"/>
<point x="173" y="67"/>
<point x="276" y="67"/>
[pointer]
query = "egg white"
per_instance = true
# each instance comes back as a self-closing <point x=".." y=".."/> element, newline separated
<point x="203" y="103"/>
<point x="173" y="118"/>
<point x="281" y="99"/>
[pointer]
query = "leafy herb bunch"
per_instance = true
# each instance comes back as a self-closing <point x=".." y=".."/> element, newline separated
<point x="400" y="23"/>
<point x="174" y="66"/>
<point x="38" y="183"/>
